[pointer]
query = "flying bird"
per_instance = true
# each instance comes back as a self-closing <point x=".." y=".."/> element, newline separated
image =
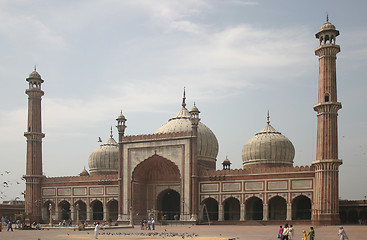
<point x="7" y="172"/>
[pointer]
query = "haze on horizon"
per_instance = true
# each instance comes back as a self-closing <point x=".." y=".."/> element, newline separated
<point x="237" y="60"/>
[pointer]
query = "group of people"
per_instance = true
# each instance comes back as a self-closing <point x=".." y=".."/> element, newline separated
<point x="285" y="233"/>
<point x="9" y="222"/>
<point x="148" y="224"/>
<point x="63" y="223"/>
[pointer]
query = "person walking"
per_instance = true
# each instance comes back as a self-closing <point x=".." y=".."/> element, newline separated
<point x="280" y="233"/>
<point x="3" y="221"/>
<point x="96" y="230"/>
<point x="311" y="233"/>
<point x="142" y="224"/>
<point x="153" y="224"/>
<point x="304" y="235"/>
<point x="285" y="232"/>
<point x="10" y="226"/>
<point x="291" y="232"/>
<point x="342" y="234"/>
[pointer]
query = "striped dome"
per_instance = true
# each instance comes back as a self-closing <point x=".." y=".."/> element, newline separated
<point x="268" y="148"/>
<point x="104" y="160"/>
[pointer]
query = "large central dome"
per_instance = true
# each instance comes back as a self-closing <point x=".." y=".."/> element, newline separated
<point x="207" y="142"/>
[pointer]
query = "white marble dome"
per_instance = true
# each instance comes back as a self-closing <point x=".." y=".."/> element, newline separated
<point x="207" y="142"/>
<point x="268" y="148"/>
<point x="104" y="160"/>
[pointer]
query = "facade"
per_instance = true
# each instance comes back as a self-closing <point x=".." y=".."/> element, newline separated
<point x="171" y="174"/>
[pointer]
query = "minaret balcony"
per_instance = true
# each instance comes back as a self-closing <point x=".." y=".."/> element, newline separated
<point x="327" y="108"/>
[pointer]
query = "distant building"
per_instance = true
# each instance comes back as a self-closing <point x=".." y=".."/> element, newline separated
<point x="13" y="209"/>
<point x="171" y="174"/>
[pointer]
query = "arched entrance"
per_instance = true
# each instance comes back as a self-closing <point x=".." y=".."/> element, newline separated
<point x="46" y="210"/>
<point x="81" y="209"/>
<point x="154" y="173"/>
<point x="112" y="209"/>
<point x="254" y="209"/>
<point x="231" y="209"/>
<point x="97" y="209"/>
<point x="210" y="210"/>
<point x="301" y="208"/>
<point x="169" y="205"/>
<point x="277" y="208"/>
<point x="64" y="209"/>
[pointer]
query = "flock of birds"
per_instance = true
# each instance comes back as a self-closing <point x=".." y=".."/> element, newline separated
<point x="7" y="183"/>
<point x="154" y="234"/>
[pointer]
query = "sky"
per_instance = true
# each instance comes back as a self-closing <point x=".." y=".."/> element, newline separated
<point x="236" y="59"/>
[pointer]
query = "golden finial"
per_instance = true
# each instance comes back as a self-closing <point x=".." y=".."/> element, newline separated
<point x="111" y="133"/>
<point x="268" y="117"/>
<point x="184" y="99"/>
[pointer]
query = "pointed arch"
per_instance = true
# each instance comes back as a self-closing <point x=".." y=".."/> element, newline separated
<point x="150" y="175"/>
<point x="231" y="209"/>
<point x="301" y="208"/>
<point x="80" y="210"/>
<point x="64" y="210"/>
<point x="277" y="208"/>
<point x="97" y="210"/>
<point x="254" y="208"/>
<point x="168" y="202"/>
<point x="112" y="210"/>
<point x="46" y="208"/>
<point x="210" y="209"/>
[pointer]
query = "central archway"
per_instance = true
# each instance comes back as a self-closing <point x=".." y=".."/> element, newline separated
<point x="168" y="204"/>
<point x="149" y="178"/>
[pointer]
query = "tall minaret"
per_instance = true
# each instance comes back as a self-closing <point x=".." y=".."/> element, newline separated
<point x="34" y="135"/>
<point x="326" y="202"/>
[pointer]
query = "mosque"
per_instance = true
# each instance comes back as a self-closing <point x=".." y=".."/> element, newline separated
<point x="171" y="174"/>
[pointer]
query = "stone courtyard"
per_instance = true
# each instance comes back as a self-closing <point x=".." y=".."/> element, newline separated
<point x="198" y="232"/>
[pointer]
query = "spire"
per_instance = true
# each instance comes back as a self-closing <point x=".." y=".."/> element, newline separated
<point x="35" y="68"/>
<point x="184" y="99"/>
<point x="327" y="17"/>
<point x="111" y="133"/>
<point x="268" y="119"/>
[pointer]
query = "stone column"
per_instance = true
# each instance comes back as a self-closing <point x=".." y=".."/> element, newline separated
<point x="265" y="212"/>
<point x="105" y="215"/>
<point x="220" y="212"/>
<point x="56" y="213"/>
<point x="242" y="212"/>
<point x="289" y="211"/>
<point x="89" y="213"/>
<point x="72" y="213"/>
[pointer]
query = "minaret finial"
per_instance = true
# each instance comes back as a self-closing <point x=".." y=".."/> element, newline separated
<point x="268" y="118"/>
<point x="111" y="133"/>
<point x="327" y="17"/>
<point x="35" y="67"/>
<point x="184" y="99"/>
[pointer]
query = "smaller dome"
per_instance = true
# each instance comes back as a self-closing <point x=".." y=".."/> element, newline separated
<point x="194" y="109"/>
<point x="268" y="148"/>
<point x="35" y="74"/>
<point x="226" y="161"/>
<point x="327" y="26"/>
<point x="104" y="160"/>
<point x="84" y="173"/>
<point x="121" y="117"/>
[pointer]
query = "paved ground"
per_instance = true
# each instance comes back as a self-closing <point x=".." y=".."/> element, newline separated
<point x="214" y="232"/>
